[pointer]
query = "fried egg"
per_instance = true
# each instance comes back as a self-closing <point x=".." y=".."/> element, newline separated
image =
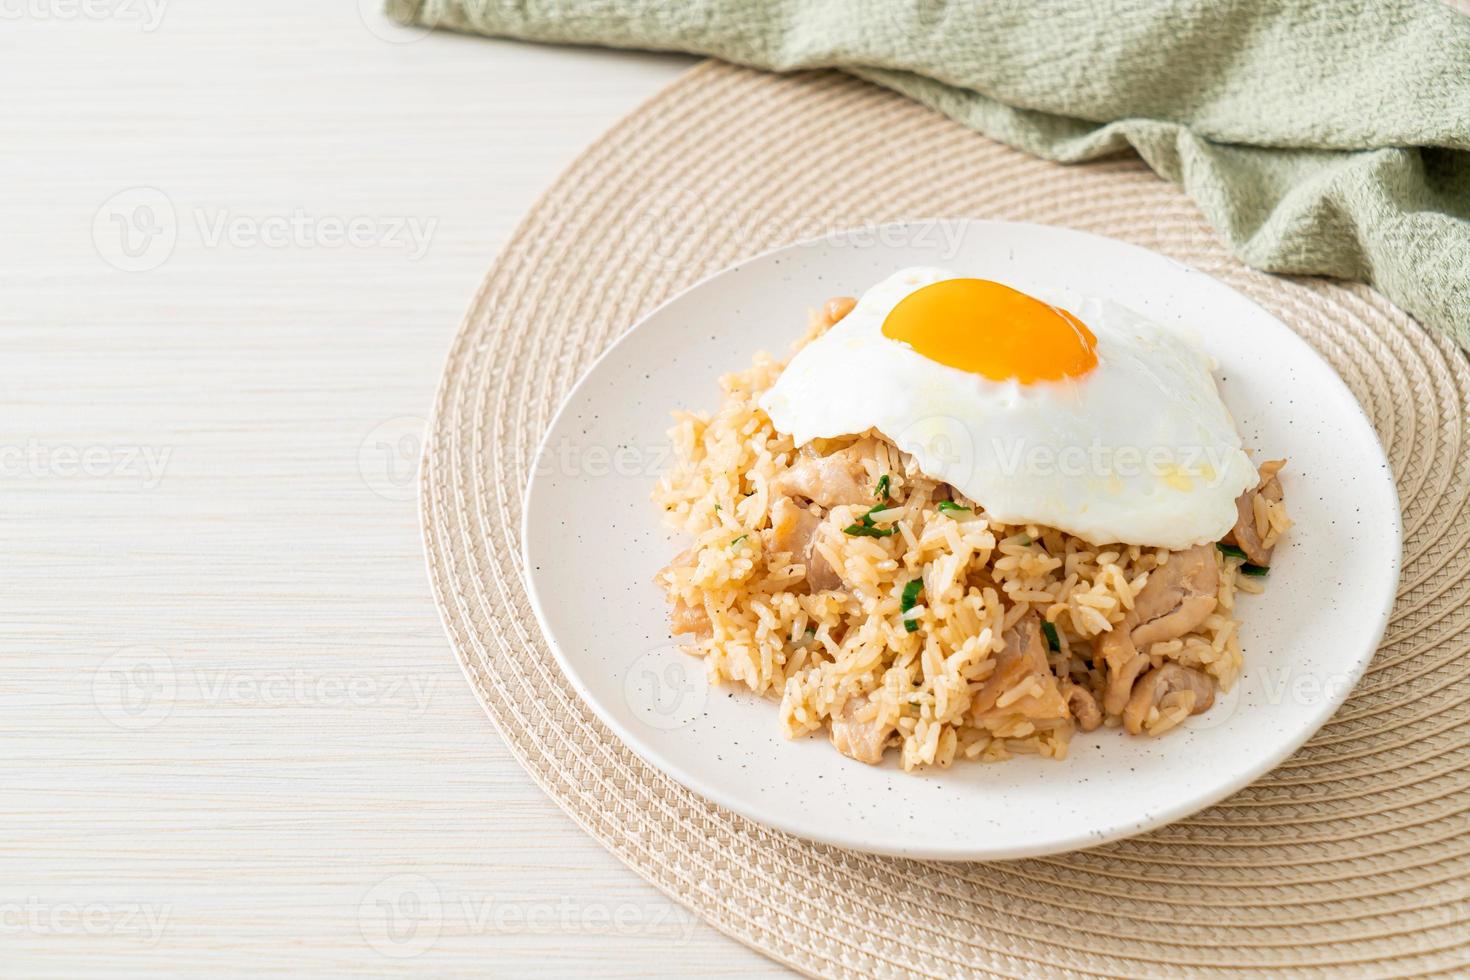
<point x="1072" y="412"/>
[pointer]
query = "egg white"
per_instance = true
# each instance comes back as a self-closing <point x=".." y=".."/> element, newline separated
<point x="1140" y="450"/>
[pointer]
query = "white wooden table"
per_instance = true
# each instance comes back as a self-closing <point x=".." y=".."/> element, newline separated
<point x="237" y="240"/>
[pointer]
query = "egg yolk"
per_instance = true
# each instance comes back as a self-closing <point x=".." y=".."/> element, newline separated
<point x="993" y="330"/>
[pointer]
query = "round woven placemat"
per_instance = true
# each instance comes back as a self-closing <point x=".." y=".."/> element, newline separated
<point x="1350" y="859"/>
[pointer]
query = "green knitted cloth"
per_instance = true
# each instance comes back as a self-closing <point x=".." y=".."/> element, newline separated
<point x="1327" y="138"/>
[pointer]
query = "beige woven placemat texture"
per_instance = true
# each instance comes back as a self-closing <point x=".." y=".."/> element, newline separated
<point x="1351" y="859"/>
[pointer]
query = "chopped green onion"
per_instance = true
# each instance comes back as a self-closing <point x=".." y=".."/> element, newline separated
<point x="908" y="600"/>
<point x="864" y="527"/>
<point x="1052" y="640"/>
<point x="1025" y="539"/>
<point x="717" y="508"/>
<point x="1230" y="550"/>
<point x="1254" y="570"/>
<point x="738" y="540"/>
<point x="881" y="490"/>
<point x="946" y="505"/>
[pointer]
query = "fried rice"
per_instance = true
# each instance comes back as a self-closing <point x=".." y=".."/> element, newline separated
<point x="1002" y="646"/>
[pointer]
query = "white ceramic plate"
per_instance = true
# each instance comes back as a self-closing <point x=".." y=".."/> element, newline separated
<point x="593" y="543"/>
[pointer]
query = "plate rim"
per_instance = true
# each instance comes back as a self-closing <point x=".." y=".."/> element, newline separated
<point x="1064" y="843"/>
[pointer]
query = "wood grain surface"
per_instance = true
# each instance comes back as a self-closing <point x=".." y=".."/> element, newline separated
<point x="238" y="240"/>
